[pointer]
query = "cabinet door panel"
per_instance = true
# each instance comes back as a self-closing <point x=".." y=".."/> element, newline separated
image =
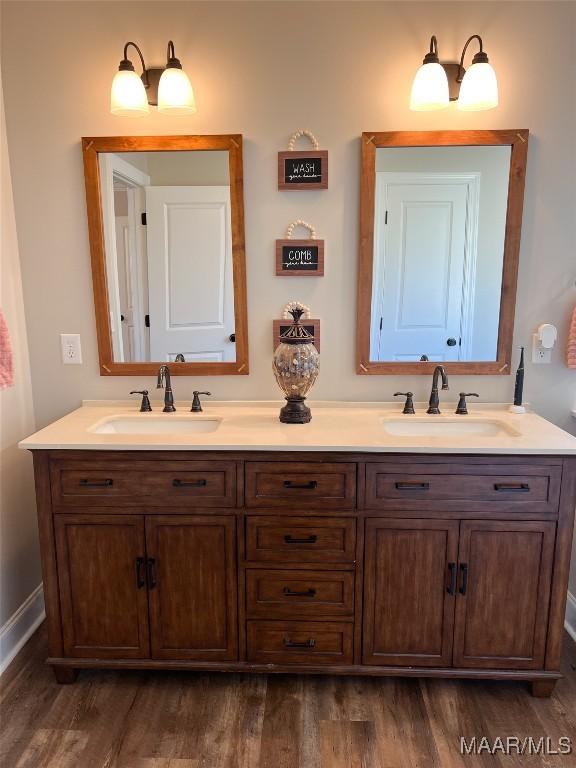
<point x="502" y="617"/>
<point x="102" y="588"/>
<point x="192" y="592"/>
<point x="408" y="591"/>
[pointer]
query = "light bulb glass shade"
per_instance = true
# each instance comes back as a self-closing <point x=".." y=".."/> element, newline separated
<point x="175" y="94"/>
<point x="128" y="95"/>
<point x="429" y="89"/>
<point x="479" y="89"/>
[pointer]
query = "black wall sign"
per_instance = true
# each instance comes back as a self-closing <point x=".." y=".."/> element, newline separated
<point x="300" y="257"/>
<point x="303" y="170"/>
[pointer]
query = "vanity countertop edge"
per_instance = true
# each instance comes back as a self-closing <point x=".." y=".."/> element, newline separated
<point x="335" y="427"/>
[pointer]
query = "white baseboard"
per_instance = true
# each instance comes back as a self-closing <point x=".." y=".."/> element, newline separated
<point x="21" y="626"/>
<point x="570" y="623"/>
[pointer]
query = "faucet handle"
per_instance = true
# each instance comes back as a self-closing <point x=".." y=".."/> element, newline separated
<point x="196" y="404"/>
<point x="462" y="408"/>
<point x="409" y="404"/>
<point x="145" y="404"/>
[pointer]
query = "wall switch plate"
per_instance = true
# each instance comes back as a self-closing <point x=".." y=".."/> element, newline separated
<point x="71" y="349"/>
<point x="540" y="355"/>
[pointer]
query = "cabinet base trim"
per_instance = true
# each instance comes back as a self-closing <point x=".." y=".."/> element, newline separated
<point x="353" y="669"/>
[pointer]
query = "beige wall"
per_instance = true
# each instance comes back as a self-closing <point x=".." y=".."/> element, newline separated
<point x="265" y="69"/>
<point x="202" y="168"/>
<point x="19" y="557"/>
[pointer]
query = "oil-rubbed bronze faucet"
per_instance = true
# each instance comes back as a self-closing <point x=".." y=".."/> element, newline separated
<point x="434" y="401"/>
<point x="196" y="404"/>
<point x="164" y="379"/>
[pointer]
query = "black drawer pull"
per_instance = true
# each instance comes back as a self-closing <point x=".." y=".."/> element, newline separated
<point x="140" y="578"/>
<point x="310" y="643"/>
<point x="188" y="483"/>
<point x="512" y="487"/>
<point x="289" y="539"/>
<point x="464" y="584"/>
<point x="152" y="573"/>
<point x="306" y="593"/>
<point x="309" y="486"/>
<point x="451" y="588"/>
<point x="106" y="483"/>
<point x="412" y="486"/>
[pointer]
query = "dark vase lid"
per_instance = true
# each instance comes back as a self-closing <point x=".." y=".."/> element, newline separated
<point x="296" y="333"/>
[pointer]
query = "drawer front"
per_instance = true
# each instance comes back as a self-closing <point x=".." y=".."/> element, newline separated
<point x="506" y="488"/>
<point x="301" y="539"/>
<point x="294" y="594"/>
<point x="299" y="642"/>
<point x="138" y="483"/>
<point x="300" y="485"/>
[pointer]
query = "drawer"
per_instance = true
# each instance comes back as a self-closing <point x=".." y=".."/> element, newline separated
<point x="139" y="483"/>
<point x="506" y="488"/>
<point x="301" y="539"/>
<point x="299" y="642"/>
<point x="293" y="594"/>
<point x="300" y="485"/>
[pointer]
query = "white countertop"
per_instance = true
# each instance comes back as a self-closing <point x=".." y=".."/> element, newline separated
<point x="254" y="426"/>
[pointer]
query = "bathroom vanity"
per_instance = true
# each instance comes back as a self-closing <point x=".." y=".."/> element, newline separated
<point x="366" y="542"/>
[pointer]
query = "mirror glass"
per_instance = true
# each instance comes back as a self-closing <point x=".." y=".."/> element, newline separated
<point x="439" y="231"/>
<point x="166" y="220"/>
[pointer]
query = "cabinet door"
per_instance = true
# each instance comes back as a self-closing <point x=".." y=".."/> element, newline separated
<point x="102" y="585"/>
<point x="503" y="593"/>
<point x="409" y="585"/>
<point x="192" y="587"/>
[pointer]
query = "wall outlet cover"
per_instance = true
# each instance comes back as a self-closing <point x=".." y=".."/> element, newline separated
<point x="71" y="349"/>
<point x="540" y="355"/>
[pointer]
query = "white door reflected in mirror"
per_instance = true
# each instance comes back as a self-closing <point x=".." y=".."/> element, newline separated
<point x="168" y="243"/>
<point x="439" y="227"/>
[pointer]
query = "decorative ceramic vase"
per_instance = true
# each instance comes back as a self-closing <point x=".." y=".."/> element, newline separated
<point x="296" y="364"/>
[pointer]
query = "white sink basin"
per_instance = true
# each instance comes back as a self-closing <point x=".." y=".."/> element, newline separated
<point x="161" y="424"/>
<point x="438" y="426"/>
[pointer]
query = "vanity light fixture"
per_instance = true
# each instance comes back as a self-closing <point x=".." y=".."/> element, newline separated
<point x="169" y="88"/>
<point x="437" y="83"/>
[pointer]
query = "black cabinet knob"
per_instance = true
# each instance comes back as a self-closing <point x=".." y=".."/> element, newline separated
<point x="451" y="342"/>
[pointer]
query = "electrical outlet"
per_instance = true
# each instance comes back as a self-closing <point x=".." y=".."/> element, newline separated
<point x="71" y="349"/>
<point x="540" y="355"/>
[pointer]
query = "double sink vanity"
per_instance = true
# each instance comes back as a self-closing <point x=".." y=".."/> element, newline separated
<point x="370" y="541"/>
<point x="367" y="542"/>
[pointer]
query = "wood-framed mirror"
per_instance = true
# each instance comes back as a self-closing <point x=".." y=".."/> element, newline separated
<point x="440" y="223"/>
<point x="166" y="227"/>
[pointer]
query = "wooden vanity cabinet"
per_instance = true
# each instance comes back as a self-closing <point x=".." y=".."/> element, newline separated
<point x="376" y="564"/>
<point x="101" y="565"/>
<point x="154" y="586"/>
<point x="192" y="589"/>
<point x="505" y="575"/>
<point x="473" y="594"/>
<point x="410" y="582"/>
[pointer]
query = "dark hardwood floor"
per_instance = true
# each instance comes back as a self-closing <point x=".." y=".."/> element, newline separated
<point x="184" y="720"/>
